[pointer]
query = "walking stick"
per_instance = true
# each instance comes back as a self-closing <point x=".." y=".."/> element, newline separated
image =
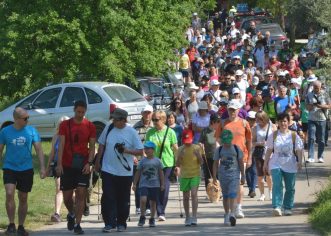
<point x="180" y="204"/>
<point x="99" y="199"/>
<point x="304" y="159"/>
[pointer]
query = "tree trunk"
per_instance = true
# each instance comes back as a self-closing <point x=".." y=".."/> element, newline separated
<point x="292" y="35"/>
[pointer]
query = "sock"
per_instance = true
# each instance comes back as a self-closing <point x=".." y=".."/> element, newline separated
<point x="238" y="205"/>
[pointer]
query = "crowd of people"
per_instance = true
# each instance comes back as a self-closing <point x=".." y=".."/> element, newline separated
<point x="247" y="112"/>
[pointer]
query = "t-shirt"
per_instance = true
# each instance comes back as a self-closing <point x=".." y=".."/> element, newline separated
<point x="283" y="156"/>
<point x="149" y="172"/>
<point x="190" y="166"/>
<point x="200" y="122"/>
<point x="241" y="134"/>
<point x="119" y="164"/>
<point x="282" y="103"/>
<point x="76" y="139"/>
<point x="184" y="62"/>
<point x="229" y="160"/>
<point x="157" y="136"/>
<point x="18" y="156"/>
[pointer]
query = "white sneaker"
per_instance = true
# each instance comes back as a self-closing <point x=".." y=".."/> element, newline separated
<point x="194" y="221"/>
<point x="310" y="160"/>
<point x="162" y="218"/>
<point x="288" y="212"/>
<point x="227" y="220"/>
<point x="187" y="221"/>
<point x="277" y="212"/>
<point x="137" y="211"/>
<point x="239" y="213"/>
<point x="261" y="198"/>
<point x="320" y="160"/>
<point x="148" y="212"/>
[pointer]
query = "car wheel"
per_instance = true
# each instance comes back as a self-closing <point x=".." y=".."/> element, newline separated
<point x="99" y="126"/>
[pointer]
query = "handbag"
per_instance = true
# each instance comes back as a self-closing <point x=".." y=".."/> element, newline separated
<point x="77" y="159"/>
<point x="258" y="152"/>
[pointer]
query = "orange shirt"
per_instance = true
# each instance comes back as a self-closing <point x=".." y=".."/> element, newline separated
<point x="241" y="134"/>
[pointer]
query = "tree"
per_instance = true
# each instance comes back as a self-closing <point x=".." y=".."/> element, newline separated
<point x="60" y="40"/>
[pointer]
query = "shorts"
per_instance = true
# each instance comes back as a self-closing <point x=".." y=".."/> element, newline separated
<point x="151" y="193"/>
<point x="72" y="178"/>
<point x="22" y="179"/>
<point x="185" y="72"/>
<point x="304" y="127"/>
<point x="186" y="184"/>
<point x="259" y="167"/>
<point x="229" y="185"/>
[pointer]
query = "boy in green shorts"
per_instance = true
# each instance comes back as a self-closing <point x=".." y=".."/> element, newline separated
<point x="189" y="160"/>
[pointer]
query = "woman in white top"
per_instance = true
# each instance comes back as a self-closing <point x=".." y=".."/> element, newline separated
<point x="263" y="128"/>
<point x="200" y="121"/>
<point x="283" y="164"/>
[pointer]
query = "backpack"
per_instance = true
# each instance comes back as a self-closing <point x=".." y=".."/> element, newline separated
<point x="294" y="136"/>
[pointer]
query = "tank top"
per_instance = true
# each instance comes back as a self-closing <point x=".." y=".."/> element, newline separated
<point x="261" y="133"/>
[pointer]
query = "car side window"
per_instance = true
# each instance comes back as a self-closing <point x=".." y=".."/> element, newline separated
<point x="92" y="97"/>
<point x="71" y="95"/>
<point x="28" y="101"/>
<point x="47" y="99"/>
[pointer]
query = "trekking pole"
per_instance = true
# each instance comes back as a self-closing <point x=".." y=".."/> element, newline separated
<point x="304" y="159"/>
<point x="98" y="199"/>
<point x="180" y="204"/>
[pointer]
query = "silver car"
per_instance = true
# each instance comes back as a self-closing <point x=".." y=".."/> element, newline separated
<point x="48" y="104"/>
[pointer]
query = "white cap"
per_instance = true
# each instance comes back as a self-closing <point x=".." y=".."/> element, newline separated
<point x="251" y="114"/>
<point x="312" y="78"/>
<point x="236" y="57"/>
<point x="191" y="85"/>
<point x="297" y="82"/>
<point x="239" y="72"/>
<point x="267" y="72"/>
<point x="255" y="80"/>
<point x="235" y="90"/>
<point x="232" y="23"/>
<point x="235" y="104"/>
<point x="214" y="82"/>
<point x="148" y="108"/>
<point x="203" y="105"/>
<point x="281" y="73"/>
<point x="195" y="14"/>
<point x="250" y="60"/>
<point x="203" y="30"/>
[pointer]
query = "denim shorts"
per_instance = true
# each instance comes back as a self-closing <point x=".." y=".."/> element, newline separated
<point x="151" y="193"/>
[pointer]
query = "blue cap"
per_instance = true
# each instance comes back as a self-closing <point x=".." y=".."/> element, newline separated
<point x="149" y="144"/>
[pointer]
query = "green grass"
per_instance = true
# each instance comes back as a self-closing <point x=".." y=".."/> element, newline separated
<point x="40" y="200"/>
<point x="320" y="214"/>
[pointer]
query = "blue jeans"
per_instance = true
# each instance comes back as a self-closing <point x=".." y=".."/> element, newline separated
<point x="316" y="129"/>
<point x="251" y="177"/>
<point x="278" y="199"/>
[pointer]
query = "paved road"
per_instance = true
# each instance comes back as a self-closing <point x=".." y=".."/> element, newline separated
<point x="258" y="220"/>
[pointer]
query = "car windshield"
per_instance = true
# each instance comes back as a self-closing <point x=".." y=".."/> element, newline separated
<point x="154" y="88"/>
<point x="122" y="94"/>
<point x="274" y="30"/>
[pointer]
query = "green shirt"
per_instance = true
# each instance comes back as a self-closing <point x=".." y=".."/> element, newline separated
<point x="156" y="136"/>
<point x="304" y="112"/>
<point x="269" y="108"/>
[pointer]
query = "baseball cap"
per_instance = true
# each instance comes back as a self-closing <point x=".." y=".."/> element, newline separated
<point x="235" y="104"/>
<point x="214" y="82"/>
<point x="239" y="72"/>
<point x="203" y="105"/>
<point x="251" y="114"/>
<point x="148" y="108"/>
<point x="236" y="57"/>
<point x="187" y="136"/>
<point x="250" y="60"/>
<point x="149" y="144"/>
<point x="235" y="90"/>
<point x="255" y="80"/>
<point x="312" y="78"/>
<point x="226" y="136"/>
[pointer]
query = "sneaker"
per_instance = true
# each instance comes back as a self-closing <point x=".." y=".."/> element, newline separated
<point x="148" y="212"/>
<point x="226" y="220"/>
<point x="137" y="211"/>
<point x="320" y="160"/>
<point x="287" y="212"/>
<point x="107" y="229"/>
<point x="71" y="222"/>
<point x="21" y="231"/>
<point x="56" y="218"/>
<point x="194" y="221"/>
<point x="239" y="213"/>
<point x="142" y="220"/>
<point x="277" y="212"/>
<point x="187" y="221"/>
<point x="310" y="160"/>
<point x="151" y="222"/>
<point x="233" y="220"/>
<point x="252" y="194"/>
<point x="162" y="218"/>
<point x="121" y="228"/>
<point x="86" y="211"/>
<point x="78" y="229"/>
<point x="262" y="198"/>
<point x="11" y="230"/>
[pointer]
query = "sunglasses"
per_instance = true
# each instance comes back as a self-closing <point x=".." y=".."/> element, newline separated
<point x="25" y="118"/>
<point x="155" y="120"/>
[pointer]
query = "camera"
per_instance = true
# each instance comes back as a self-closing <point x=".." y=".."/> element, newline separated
<point x="119" y="147"/>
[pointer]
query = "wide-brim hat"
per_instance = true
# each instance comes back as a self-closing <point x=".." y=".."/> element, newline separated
<point x="191" y="85"/>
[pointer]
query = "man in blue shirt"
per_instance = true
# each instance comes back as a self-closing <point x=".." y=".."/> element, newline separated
<point x="283" y="101"/>
<point x="17" y="166"/>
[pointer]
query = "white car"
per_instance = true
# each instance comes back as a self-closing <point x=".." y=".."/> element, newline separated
<point x="47" y="105"/>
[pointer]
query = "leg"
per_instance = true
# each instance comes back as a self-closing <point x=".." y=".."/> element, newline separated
<point x="277" y="188"/>
<point x="261" y="184"/>
<point x="289" y="179"/>
<point x="153" y="208"/>
<point x="80" y="201"/>
<point x="123" y="191"/>
<point x="108" y="200"/>
<point x="231" y="205"/>
<point x="320" y="130"/>
<point x="10" y="202"/>
<point x="68" y="200"/>
<point x="226" y="205"/>
<point x="311" y="139"/>
<point x="143" y="200"/>
<point x="194" y="196"/>
<point x="186" y="203"/>
<point x="22" y="207"/>
<point x="269" y="182"/>
<point x="58" y="196"/>
<point x="163" y="197"/>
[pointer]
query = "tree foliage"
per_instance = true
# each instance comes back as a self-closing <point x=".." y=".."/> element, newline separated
<point x="51" y="41"/>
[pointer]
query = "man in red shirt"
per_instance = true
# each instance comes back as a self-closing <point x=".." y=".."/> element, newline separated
<point x="76" y="154"/>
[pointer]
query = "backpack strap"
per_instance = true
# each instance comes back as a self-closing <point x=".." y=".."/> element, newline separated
<point x="294" y="136"/>
<point x="235" y="148"/>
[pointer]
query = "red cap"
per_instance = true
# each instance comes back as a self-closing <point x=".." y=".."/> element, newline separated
<point x="187" y="136"/>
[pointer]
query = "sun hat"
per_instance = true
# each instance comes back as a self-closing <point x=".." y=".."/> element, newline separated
<point x="235" y="104"/>
<point x="191" y="85"/>
<point x="312" y="78"/>
<point x="239" y="72"/>
<point x="203" y="105"/>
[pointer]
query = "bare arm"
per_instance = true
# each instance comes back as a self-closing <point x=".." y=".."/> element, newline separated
<point x="91" y="154"/>
<point x="52" y="153"/>
<point x="266" y="160"/>
<point x="134" y="152"/>
<point x="161" y="179"/>
<point x="40" y="153"/>
<point x="215" y="168"/>
<point x="135" y="180"/>
<point x="101" y="150"/>
<point x="242" y="171"/>
<point x="59" y="167"/>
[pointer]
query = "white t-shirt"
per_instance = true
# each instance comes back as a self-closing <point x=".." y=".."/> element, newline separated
<point x="114" y="162"/>
<point x="283" y="156"/>
<point x="242" y="85"/>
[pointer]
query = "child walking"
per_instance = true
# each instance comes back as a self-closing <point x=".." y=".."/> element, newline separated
<point x="229" y="164"/>
<point x="151" y="182"/>
<point x="188" y="164"/>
